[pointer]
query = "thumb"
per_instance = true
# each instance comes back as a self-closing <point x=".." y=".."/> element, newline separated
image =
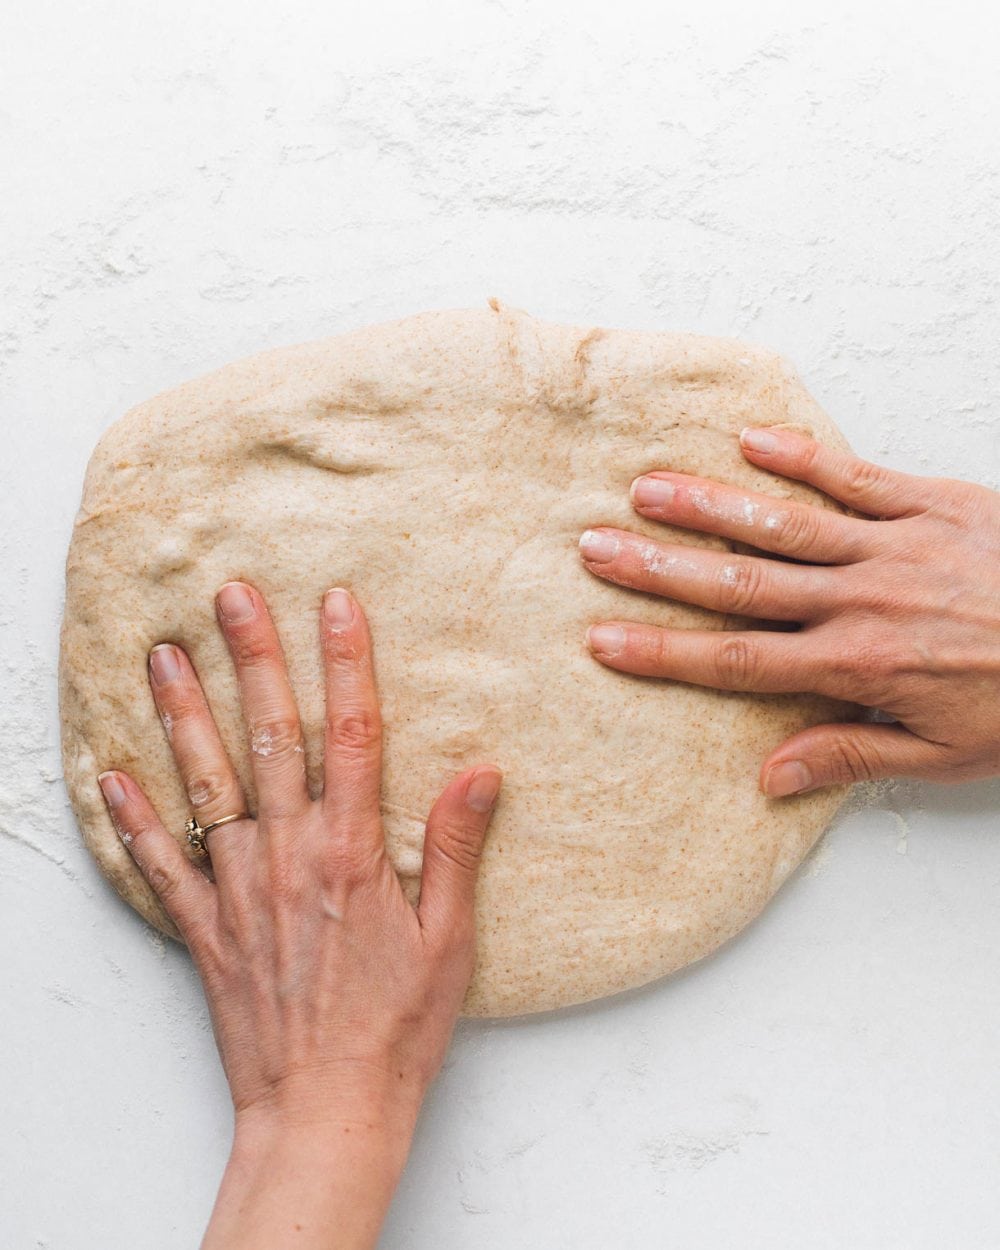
<point x="842" y="754"/>
<point x="453" y="845"/>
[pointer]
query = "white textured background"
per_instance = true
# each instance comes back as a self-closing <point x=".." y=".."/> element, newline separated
<point x="185" y="185"/>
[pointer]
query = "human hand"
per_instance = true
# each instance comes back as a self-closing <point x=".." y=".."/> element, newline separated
<point x="332" y="998"/>
<point x="900" y="614"/>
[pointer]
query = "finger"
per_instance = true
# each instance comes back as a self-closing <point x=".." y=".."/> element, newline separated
<point x="861" y="485"/>
<point x="780" y="525"/>
<point x="188" y="897"/>
<point x="768" y="662"/>
<point x="206" y="770"/>
<point x="842" y="754"/>
<point x="352" y="760"/>
<point x="276" y="751"/>
<point x="453" y="846"/>
<point x="744" y="585"/>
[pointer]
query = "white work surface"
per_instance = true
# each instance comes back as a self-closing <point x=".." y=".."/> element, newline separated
<point x="187" y="186"/>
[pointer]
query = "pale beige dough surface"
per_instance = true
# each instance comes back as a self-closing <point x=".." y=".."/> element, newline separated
<point x="443" y="468"/>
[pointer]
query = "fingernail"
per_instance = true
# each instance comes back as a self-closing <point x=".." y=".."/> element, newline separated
<point x="483" y="790"/>
<point x="755" y="439"/>
<point x="651" y="492"/>
<point x="235" y="603"/>
<point x="599" y="547"/>
<point x="112" y="789"/>
<point x="163" y="663"/>
<point x="338" y="608"/>
<point x="606" y="640"/>
<point x="791" y="777"/>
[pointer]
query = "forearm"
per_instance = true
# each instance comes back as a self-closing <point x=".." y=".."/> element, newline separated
<point x="315" y="1187"/>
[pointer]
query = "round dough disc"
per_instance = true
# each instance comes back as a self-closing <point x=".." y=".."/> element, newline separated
<point x="443" y="468"/>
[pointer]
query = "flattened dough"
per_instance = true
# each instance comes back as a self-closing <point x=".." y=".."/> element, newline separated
<point x="443" y="467"/>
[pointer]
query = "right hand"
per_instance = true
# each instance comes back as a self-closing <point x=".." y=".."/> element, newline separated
<point x="899" y="613"/>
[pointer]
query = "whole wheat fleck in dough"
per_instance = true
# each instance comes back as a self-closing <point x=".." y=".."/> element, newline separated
<point x="443" y="467"/>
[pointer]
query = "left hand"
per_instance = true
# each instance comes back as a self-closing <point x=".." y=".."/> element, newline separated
<point x="332" y="998"/>
<point x="899" y="613"/>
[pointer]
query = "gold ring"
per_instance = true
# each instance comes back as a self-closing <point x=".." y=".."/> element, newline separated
<point x="196" y="835"/>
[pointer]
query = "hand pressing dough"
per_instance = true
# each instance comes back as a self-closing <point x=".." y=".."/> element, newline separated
<point x="443" y="468"/>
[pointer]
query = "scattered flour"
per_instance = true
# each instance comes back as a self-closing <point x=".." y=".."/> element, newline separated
<point x="661" y="563"/>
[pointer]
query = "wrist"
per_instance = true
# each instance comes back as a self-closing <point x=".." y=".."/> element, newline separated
<point x="368" y="1134"/>
<point x="328" y="1178"/>
<point x="371" y="1102"/>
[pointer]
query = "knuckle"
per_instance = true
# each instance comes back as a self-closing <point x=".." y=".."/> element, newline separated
<point x="346" y="866"/>
<point x="343" y="646"/>
<point x="358" y="730"/>
<point x="657" y="645"/>
<point x="810" y="454"/>
<point x="207" y="948"/>
<point x="208" y="788"/>
<point x="458" y="847"/>
<point x="277" y="735"/>
<point x="360" y="858"/>
<point x="243" y="924"/>
<point x="165" y="882"/>
<point x="798" y="528"/>
<point x="252" y="649"/>
<point x="736" y="662"/>
<point x="183" y="706"/>
<point x="855" y="675"/>
<point x="886" y="660"/>
<point x="848" y="762"/>
<point x="741" y="585"/>
<point x="862" y="477"/>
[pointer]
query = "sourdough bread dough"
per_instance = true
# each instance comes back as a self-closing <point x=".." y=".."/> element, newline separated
<point x="443" y="467"/>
